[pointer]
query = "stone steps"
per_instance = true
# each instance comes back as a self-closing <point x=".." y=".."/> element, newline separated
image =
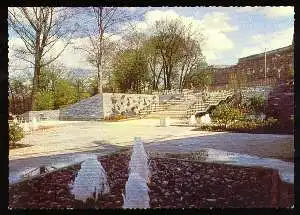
<point x="180" y="108"/>
<point x="169" y="113"/>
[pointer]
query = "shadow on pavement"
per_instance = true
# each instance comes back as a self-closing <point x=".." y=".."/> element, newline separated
<point x="262" y="145"/>
<point x="64" y="158"/>
<point x="271" y="146"/>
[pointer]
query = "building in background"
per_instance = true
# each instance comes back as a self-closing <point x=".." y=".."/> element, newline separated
<point x="279" y="63"/>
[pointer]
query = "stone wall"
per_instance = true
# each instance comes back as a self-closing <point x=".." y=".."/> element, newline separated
<point x="117" y="103"/>
<point x="40" y="115"/>
<point x="98" y="107"/>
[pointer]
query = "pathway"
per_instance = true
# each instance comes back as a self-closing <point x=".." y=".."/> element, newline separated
<point x="72" y="142"/>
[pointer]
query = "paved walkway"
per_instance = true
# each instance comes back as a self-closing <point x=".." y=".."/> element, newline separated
<point x="93" y="135"/>
<point x="71" y="142"/>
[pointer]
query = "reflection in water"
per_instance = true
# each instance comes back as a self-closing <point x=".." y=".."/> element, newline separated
<point x="285" y="169"/>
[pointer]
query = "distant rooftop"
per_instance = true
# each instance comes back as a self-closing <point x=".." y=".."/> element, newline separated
<point x="268" y="52"/>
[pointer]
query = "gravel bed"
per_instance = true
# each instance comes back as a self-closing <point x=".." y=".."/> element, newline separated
<point x="174" y="184"/>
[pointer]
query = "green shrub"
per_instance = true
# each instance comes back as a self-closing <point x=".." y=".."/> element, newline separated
<point x="224" y="114"/>
<point x="65" y="94"/>
<point x="244" y="125"/>
<point x="44" y="100"/>
<point x="270" y="125"/>
<point x="115" y="117"/>
<point x="16" y="133"/>
<point x="211" y="128"/>
<point x="257" y="104"/>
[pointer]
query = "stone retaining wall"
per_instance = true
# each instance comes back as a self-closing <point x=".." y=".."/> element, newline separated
<point x="118" y="103"/>
<point x="98" y="107"/>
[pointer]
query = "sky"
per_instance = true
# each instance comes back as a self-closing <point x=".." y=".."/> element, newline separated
<point x="229" y="33"/>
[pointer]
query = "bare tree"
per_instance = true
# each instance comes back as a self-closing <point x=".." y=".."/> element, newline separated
<point x="40" y="28"/>
<point x="191" y="57"/>
<point x="154" y="60"/>
<point x="100" y="45"/>
<point x="169" y="43"/>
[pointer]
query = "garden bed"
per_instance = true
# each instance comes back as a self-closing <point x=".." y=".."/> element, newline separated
<point x="174" y="184"/>
<point x="259" y="130"/>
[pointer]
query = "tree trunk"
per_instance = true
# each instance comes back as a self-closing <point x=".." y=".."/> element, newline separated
<point x="165" y="83"/>
<point x="13" y="101"/>
<point x="169" y="79"/>
<point x="100" y="49"/>
<point x="23" y="104"/>
<point x="99" y="80"/>
<point x="36" y="83"/>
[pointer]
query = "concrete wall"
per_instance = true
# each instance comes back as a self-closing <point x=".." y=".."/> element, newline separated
<point x="39" y="115"/>
<point x="87" y="109"/>
<point x="98" y="107"/>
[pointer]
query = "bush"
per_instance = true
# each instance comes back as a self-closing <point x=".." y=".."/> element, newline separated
<point x="270" y="122"/>
<point x="224" y="114"/>
<point x="44" y="100"/>
<point x="65" y="94"/>
<point x="244" y="125"/>
<point x="115" y="117"/>
<point x="16" y="133"/>
<point x="257" y="104"/>
<point x="270" y="125"/>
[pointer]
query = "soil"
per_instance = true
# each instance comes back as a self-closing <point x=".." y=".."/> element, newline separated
<point x="174" y="184"/>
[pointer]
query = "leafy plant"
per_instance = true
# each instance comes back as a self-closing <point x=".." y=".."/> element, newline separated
<point x="44" y="100"/>
<point x="291" y="73"/>
<point x="115" y="117"/>
<point x="257" y="104"/>
<point x="224" y="114"/>
<point x="16" y="133"/>
<point x="65" y="94"/>
<point x="270" y="125"/>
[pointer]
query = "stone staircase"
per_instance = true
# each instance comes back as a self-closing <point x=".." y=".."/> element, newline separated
<point x="213" y="99"/>
<point x="173" y="108"/>
<point x="185" y="105"/>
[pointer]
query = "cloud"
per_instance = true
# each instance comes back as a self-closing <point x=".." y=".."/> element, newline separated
<point x="213" y="27"/>
<point x="269" y="41"/>
<point x="247" y="9"/>
<point x="16" y="63"/>
<point x="70" y="58"/>
<point x="273" y="12"/>
<point x="131" y="9"/>
<point x="218" y="21"/>
<point x="269" y="12"/>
